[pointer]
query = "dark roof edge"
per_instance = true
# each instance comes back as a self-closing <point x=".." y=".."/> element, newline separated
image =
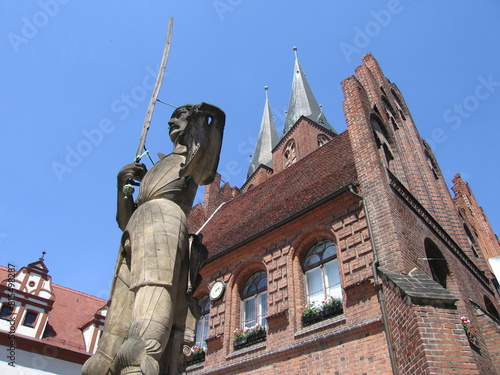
<point x="312" y="206"/>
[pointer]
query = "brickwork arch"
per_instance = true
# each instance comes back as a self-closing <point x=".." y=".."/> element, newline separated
<point x="308" y="239"/>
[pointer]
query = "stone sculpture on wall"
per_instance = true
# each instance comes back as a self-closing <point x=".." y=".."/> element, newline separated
<point x="152" y="315"/>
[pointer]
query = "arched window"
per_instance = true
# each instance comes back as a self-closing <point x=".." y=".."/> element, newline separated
<point x="437" y="262"/>
<point x="398" y="99"/>
<point x="322" y="272"/>
<point x="202" y="327"/>
<point x="399" y="105"/>
<point x="254" y="300"/>
<point x="388" y="107"/>
<point x="382" y="138"/>
<point x="322" y="140"/>
<point x="472" y="240"/>
<point x="290" y="153"/>
<point x="432" y="163"/>
<point x="379" y="126"/>
<point x="490" y="307"/>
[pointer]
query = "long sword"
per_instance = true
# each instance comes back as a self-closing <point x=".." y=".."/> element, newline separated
<point x="154" y="97"/>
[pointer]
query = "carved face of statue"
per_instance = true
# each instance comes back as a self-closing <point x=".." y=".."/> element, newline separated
<point x="178" y="122"/>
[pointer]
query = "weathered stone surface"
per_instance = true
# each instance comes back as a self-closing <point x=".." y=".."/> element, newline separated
<point x="419" y="287"/>
<point x="152" y="315"/>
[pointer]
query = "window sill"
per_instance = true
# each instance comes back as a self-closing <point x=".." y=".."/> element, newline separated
<point x="247" y="349"/>
<point x="327" y="323"/>
<point x="192" y="366"/>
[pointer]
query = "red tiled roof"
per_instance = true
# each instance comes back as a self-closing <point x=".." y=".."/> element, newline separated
<point x="319" y="174"/>
<point x="71" y="310"/>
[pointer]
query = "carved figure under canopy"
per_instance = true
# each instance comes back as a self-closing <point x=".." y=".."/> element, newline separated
<point x="152" y="314"/>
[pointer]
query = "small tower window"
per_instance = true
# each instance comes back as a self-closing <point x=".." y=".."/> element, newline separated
<point x="322" y="140"/>
<point x="290" y="153"/>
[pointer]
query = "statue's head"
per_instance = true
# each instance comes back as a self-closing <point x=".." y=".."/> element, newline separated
<point x="179" y="121"/>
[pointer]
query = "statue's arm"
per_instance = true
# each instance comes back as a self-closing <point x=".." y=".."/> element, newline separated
<point x="125" y="203"/>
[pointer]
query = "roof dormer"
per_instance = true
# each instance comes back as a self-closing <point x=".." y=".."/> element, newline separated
<point x="26" y="298"/>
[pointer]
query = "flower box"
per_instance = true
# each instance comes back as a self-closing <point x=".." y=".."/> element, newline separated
<point x="197" y="356"/>
<point x="256" y="336"/>
<point x="240" y="343"/>
<point x="313" y="313"/>
<point x="249" y="336"/>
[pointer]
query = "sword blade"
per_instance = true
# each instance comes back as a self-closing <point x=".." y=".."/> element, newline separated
<point x="154" y="95"/>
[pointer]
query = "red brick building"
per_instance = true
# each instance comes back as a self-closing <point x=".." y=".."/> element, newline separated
<point x="365" y="217"/>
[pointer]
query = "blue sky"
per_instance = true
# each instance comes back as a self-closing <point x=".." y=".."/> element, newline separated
<point x="77" y="75"/>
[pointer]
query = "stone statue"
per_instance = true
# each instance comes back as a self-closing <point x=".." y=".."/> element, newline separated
<point x="152" y="316"/>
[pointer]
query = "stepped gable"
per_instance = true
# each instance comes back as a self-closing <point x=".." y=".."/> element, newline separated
<point x="312" y="178"/>
<point x="70" y="311"/>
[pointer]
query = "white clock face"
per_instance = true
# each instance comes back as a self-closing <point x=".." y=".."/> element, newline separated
<point x="217" y="290"/>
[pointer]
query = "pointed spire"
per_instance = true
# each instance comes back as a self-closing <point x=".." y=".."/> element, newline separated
<point x="268" y="138"/>
<point x="302" y="101"/>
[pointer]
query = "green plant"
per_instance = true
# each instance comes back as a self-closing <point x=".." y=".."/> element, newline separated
<point x="331" y="302"/>
<point x="470" y="329"/>
<point x="254" y="330"/>
<point x="197" y="350"/>
<point x="310" y="309"/>
<point x="239" y="334"/>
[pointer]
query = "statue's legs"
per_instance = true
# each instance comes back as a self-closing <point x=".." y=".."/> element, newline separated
<point x="148" y="335"/>
<point x="118" y="320"/>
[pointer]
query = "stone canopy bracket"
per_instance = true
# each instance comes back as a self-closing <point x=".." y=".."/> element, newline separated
<point x="418" y="288"/>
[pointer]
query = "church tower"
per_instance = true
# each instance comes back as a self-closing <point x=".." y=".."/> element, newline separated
<point x="302" y="101"/>
<point x="306" y="129"/>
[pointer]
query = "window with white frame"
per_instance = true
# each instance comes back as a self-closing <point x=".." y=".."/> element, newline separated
<point x="322" y="272"/>
<point x="254" y="300"/>
<point x="202" y="327"/>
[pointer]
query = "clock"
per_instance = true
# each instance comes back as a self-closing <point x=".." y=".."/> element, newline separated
<point x="217" y="290"/>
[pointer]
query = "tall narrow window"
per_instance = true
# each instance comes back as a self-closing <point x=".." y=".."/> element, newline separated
<point x="254" y="298"/>
<point x="490" y="307"/>
<point x="290" y="153"/>
<point x="202" y="327"/>
<point x="322" y="272"/>
<point x="437" y="262"/>
<point x="472" y="241"/>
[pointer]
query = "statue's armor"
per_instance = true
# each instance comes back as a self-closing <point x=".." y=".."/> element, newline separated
<point x="157" y="230"/>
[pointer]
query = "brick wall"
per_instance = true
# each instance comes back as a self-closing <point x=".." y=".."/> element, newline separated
<point x="324" y="347"/>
